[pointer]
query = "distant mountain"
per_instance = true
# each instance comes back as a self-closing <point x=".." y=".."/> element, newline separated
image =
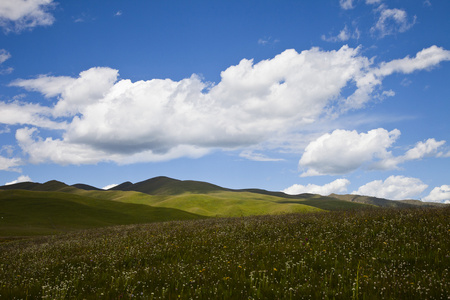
<point x="85" y="187"/>
<point x="168" y="186"/>
<point x="381" y="202"/>
<point x="51" y="185"/>
<point x="30" y="208"/>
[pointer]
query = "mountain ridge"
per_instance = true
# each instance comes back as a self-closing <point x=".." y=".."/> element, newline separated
<point x="27" y="207"/>
<point x="163" y="185"/>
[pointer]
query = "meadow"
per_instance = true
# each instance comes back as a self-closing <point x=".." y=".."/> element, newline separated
<point x="359" y="254"/>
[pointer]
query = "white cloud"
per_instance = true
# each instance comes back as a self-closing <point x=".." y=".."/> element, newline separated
<point x="250" y="155"/>
<point x="22" y="178"/>
<point x="109" y="186"/>
<point x="439" y="194"/>
<point x="267" y="40"/>
<point x="118" y="13"/>
<point x="344" y="151"/>
<point x="4" y="55"/>
<point x="75" y="94"/>
<point x="10" y="164"/>
<point x="346" y="4"/>
<point x="425" y="59"/>
<point x="337" y="186"/>
<point x="392" y="21"/>
<point x="394" y="188"/>
<point x="373" y="1"/>
<point x="344" y="35"/>
<point x="8" y="70"/>
<point x="63" y="152"/>
<point x="18" y="15"/>
<point x="18" y="113"/>
<point x="421" y="150"/>
<point x="109" y="119"/>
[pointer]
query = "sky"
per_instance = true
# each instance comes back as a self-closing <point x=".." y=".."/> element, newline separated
<point x="328" y="96"/>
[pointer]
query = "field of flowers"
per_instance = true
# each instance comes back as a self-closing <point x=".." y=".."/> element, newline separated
<point x="370" y="254"/>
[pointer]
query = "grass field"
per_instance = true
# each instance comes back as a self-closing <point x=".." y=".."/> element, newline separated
<point x="39" y="213"/>
<point x="366" y="254"/>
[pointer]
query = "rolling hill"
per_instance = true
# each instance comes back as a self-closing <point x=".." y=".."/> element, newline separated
<point x="168" y="186"/>
<point x="25" y="212"/>
<point x="380" y="202"/>
<point x="54" y="207"/>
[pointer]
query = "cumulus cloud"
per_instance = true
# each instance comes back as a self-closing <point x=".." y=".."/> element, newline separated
<point x="337" y="186"/>
<point x="21" y="178"/>
<point x="392" y="21"/>
<point x="344" y="151"/>
<point x="10" y="164"/>
<point x="394" y="188"/>
<point x="421" y="150"/>
<point x="74" y="93"/>
<point x="64" y="152"/>
<point x="439" y="194"/>
<point x="104" y="118"/>
<point x="424" y="60"/>
<point x="18" y="15"/>
<point x="18" y="113"/>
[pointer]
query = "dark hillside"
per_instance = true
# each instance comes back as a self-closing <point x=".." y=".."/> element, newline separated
<point x="373" y="201"/>
<point x="36" y="212"/>
<point x="122" y="187"/>
<point x="52" y="185"/>
<point x="169" y="186"/>
<point x="85" y="187"/>
<point x="28" y="186"/>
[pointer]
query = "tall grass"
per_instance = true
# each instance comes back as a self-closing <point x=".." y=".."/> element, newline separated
<point x="372" y="254"/>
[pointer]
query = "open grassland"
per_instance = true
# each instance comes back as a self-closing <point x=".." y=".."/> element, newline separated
<point x="369" y="254"/>
<point x="226" y="203"/>
<point x="39" y="213"/>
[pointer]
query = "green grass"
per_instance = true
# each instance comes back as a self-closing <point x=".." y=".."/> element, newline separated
<point x="368" y="254"/>
<point x="214" y="204"/>
<point x="33" y="212"/>
<point x="229" y="203"/>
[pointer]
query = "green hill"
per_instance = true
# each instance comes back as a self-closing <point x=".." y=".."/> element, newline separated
<point x="39" y="212"/>
<point x="52" y="207"/>
<point x="381" y="202"/>
<point x="168" y="186"/>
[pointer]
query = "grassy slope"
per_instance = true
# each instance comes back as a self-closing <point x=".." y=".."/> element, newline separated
<point x="168" y="186"/>
<point x="34" y="212"/>
<point x="220" y="204"/>
<point x="55" y="207"/>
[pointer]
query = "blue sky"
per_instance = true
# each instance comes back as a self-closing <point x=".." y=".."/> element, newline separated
<point x="302" y="96"/>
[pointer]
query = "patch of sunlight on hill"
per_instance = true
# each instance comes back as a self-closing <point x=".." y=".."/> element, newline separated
<point x="231" y="205"/>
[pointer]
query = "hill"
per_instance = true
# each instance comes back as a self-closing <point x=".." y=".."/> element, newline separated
<point x="53" y="207"/>
<point x="381" y="202"/>
<point x="168" y="186"/>
<point x="41" y="212"/>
